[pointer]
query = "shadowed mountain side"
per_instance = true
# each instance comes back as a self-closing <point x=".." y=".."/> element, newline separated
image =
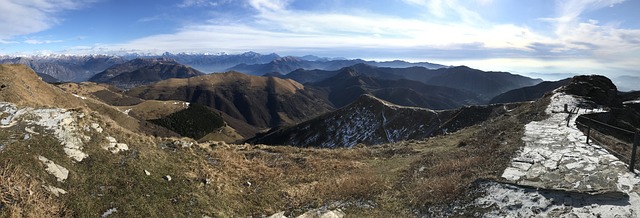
<point x="371" y="121"/>
<point x="529" y="93"/>
<point x="348" y="85"/>
<point x="260" y="101"/>
<point x="47" y="78"/>
<point x="143" y="72"/>
<point x="484" y="84"/>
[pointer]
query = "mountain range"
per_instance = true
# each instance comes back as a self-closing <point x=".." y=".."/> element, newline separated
<point x="79" y="68"/>
<point x="285" y="65"/>
<point x="76" y="68"/>
<point x="141" y="71"/>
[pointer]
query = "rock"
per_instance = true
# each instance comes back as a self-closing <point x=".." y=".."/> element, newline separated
<point x="109" y="212"/>
<point x="62" y="123"/>
<point x="596" y="88"/>
<point x="2" y="146"/>
<point x="96" y="127"/>
<point x="27" y="136"/>
<point x="55" y="190"/>
<point x="54" y="169"/>
<point x="278" y="215"/>
<point x="147" y="173"/>
<point x="323" y="213"/>
<point x="167" y="177"/>
<point x="114" y="147"/>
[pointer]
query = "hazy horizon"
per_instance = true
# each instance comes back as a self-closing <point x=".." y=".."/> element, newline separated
<point x="542" y="38"/>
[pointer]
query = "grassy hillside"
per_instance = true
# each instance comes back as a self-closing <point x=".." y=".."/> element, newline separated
<point x="127" y="172"/>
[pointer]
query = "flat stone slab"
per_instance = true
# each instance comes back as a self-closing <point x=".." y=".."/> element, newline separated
<point x="556" y="156"/>
<point x="557" y="174"/>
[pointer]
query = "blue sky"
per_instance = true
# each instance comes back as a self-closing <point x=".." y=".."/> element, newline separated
<point x="543" y="38"/>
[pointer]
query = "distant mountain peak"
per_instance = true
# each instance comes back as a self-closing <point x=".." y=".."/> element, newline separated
<point x="287" y="59"/>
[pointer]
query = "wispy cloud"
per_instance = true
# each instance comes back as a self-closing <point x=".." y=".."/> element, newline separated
<point x="38" y="42"/>
<point x="20" y="17"/>
<point x="601" y="41"/>
<point x="202" y="3"/>
<point x="277" y="27"/>
<point x="450" y="29"/>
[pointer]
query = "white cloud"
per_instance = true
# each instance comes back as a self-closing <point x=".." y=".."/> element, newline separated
<point x="265" y="6"/>
<point x="38" y="42"/>
<point x="20" y="17"/>
<point x="581" y="34"/>
<point x="202" y="3"/>
<point x="450" y="9"/>
<point x="278" y="29"/>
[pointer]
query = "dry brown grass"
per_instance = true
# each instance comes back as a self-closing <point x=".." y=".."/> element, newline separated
<point x="20" y="85"/>
<point x="23" y="196"/>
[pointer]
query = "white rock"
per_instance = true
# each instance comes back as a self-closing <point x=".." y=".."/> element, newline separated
<point x="96" y="127"/>
<point x="113" y="146"/>
<point x="147" y="173"/>
<point x="278" y="215"/>
<point x="55" y="190"/>
<point x="109" y="212"/>
<point x="167" y="177"/>
<point x="320" y="213"/>
<point x="54" y="169"/>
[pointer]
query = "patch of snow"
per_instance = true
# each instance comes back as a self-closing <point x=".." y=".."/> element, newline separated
<point x="127" y="111"/>
<point x="54" y="169"/>
<point x="632" y="102"/>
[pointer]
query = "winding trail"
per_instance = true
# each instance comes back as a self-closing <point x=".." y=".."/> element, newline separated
<point x="557" y="174"/>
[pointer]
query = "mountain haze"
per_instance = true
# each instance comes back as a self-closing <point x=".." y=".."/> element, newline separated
<point x="346" y="86"/>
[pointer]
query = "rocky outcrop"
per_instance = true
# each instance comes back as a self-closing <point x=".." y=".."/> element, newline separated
<point x="54" y="169"/>
<point x="596" y="88"/>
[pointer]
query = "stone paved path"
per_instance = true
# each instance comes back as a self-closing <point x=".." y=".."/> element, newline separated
<point x="558" y="175"/>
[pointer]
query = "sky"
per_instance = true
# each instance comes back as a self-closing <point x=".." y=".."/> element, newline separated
<point x="547" y="39"/>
